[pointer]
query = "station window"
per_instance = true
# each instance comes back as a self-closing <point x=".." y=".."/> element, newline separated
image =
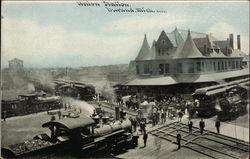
<point x="167" y="70"/>
<point x="229" y="63"/>
<point x="202" y="67"/>
<point x="233" y="64"/>
<point x="222" y="65"/>
<point x="137" y="69"/>
<point x="225" y="65"/>
<point x="190" y="68"/>
<point x="179" y="68"/>
<point x="198" y="67"/>
<point x="161" y="69"/>
<point x="146" y="68"/>
<point x="163" y="41"/>
<point x="214" y="66"/>
<point x="218" y="64"/>
<point x="211" y="66"/>
<point x="237" y="64"/>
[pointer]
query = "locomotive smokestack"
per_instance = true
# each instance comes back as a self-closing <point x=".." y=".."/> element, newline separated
<point x="238" y="42"/>
<point x="231" y="40"/>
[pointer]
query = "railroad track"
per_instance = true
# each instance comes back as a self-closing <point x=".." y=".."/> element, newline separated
<point x="210" y="144"/>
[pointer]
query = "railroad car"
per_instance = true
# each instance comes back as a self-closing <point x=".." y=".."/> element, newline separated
<point x="79" y="135"/>
<point x="75" y="89"/>
<point x="28" y="104"/>
<point x="225" y="100"/>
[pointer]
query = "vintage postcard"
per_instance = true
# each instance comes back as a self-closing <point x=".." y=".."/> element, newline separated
<point x="125" y="79"/>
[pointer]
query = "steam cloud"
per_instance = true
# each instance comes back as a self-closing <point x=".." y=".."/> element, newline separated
<point x="82" y="106"/>
<point x="31" y="88"/>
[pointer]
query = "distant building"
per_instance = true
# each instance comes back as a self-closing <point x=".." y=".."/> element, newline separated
<point x="16" y="66"/>
<point x="116" y="76"/>
<point x="181" y="61"/>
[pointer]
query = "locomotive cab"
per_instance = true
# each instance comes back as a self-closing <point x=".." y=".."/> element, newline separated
<point x="78" y="131"/>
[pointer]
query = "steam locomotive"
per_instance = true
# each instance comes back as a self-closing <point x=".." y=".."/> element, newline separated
<point x="28" y="104"/>
<point x="79" y="135"/>
<point x="75" y="89"/>
<point x="227" y="101"/>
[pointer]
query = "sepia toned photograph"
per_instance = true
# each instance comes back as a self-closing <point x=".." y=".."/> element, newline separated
<point x="125" y="79"/>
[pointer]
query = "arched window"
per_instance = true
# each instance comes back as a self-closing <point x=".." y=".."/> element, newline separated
<point x="163" y="41"/>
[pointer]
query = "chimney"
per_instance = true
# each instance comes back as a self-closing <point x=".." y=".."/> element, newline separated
<point x="231" y="40"/>
<point x="238" y="42"/>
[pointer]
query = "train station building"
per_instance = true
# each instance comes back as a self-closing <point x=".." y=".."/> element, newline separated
<point x="182" y="61"/>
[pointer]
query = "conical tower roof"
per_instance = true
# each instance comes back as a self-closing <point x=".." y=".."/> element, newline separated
<point x="179" y="40"/>
<point x="145" y="52"/>
<point x="153" y="50"/>
<point x="189" y="49"/>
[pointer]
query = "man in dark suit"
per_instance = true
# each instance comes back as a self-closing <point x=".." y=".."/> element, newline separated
<point x="202" y="126"/>
<point x="217" y="125"/>
<point x="178" y="139"/>
<point x="145" y="138"/>
<point x="190" y="126"/>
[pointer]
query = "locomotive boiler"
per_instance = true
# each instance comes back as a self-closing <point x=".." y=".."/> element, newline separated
<point x="79" y="135"/>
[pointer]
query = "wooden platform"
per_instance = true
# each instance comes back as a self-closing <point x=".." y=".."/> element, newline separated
<point x="162" y="144"/>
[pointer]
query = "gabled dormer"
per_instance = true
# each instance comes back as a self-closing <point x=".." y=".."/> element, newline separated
<point x="163" y="45"/>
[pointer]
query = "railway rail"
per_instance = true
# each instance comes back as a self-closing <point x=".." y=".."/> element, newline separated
<point x="210" y="144"/>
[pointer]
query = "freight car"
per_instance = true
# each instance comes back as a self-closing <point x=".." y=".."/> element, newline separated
<point x="28" y="104"/>
<point x="225" y="100"/>
<point x="78" y="135"/>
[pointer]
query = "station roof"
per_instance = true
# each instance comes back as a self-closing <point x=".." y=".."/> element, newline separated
<point x="168" y="80"/>
<point x="152" y="81"/>
<point x="71" y="123"/>
<point x="189" y="49"/>
<point x="185" y="44"/>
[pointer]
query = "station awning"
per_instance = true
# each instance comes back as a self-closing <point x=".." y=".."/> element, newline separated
<point x="188" y="78"/>
<point x="71" y="123"/>
<point x="152" y="81"/>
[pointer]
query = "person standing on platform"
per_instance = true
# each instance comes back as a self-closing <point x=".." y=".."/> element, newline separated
<point x="217" y="125"/>
<point x="53" y="118"/>
<point x="202" y="126"/>
<point x="59" y="114"/>
<point x="4" y="115"/>
<point x="145" y="138"/>
<point x="180" y="115"/>
<point x="190" y="126"/>
<point x="143" y="127"/>
<point x="134" y="124"/>
<point x="178" y="139"/>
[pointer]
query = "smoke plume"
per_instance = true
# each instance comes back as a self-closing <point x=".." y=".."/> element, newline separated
<point x="80" y="106"/>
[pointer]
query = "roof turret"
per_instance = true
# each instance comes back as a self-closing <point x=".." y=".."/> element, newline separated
<point x="145" y="52"/>
<point x="189" y="49"/>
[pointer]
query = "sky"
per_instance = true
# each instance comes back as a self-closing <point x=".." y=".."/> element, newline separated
<point x="64" y="34"/>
